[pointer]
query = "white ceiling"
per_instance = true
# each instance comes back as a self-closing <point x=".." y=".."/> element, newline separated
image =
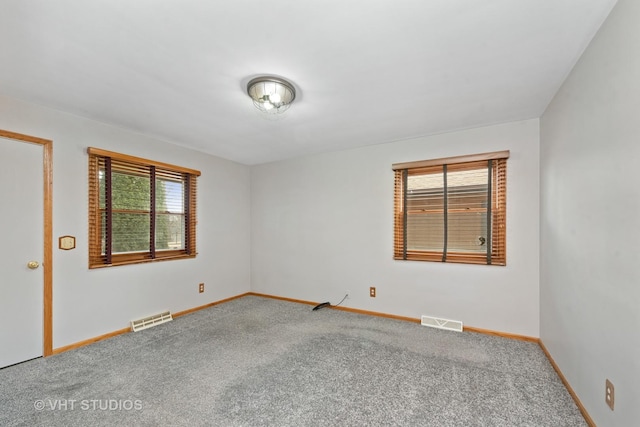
<point x="366" y="72"/>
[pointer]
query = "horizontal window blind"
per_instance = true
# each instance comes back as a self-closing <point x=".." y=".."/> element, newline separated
<point x="451" y="212"/>
<point x="139" y="210"/>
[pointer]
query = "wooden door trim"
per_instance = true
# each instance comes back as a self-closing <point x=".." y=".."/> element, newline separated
<point x="47" y="263"/>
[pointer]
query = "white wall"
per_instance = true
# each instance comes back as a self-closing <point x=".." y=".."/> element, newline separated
<point x="88" y="303"/>
<point x="322" y="225"/>
<point x="590" y="221"/>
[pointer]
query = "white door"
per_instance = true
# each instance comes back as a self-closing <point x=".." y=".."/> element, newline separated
<point x="21" y="242"/>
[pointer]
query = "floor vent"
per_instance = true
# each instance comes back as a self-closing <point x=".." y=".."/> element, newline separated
<point x="147" y="322"/>
<point x="438" y="323"/>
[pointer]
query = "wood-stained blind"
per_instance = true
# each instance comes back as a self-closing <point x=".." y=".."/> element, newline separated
<point x="139" y="210"/>
<point x="451" y="209"/>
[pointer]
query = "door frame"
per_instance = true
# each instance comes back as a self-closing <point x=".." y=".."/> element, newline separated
<point x="47" y="262"/>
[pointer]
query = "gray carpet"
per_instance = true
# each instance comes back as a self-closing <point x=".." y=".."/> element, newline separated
<point x="263" y="362"/>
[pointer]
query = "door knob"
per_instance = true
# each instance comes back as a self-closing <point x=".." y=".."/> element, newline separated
<point x="33" y="265"/>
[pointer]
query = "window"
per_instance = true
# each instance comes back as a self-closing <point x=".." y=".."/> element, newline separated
<point x="139" y="210"/>
<point x="452" y="209"/>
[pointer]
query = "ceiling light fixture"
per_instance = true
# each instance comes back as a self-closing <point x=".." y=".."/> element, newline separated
<point x="271" y="95"/>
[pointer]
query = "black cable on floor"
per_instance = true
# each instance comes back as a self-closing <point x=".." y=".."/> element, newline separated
<point x="345" y="297"/>
<point x="328" y="304"/>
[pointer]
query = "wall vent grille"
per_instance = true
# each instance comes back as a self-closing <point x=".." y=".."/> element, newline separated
<point x="439" y="323"/>
<point x="147" y="322"/>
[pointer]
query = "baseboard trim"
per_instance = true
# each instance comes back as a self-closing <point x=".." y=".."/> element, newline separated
<point x="127" y="330"/>
<point x="299" y="301"/>
<point x="90" y="341"/>
<point x="573" y="394"/>
<point x="405" y="318"/>
<point x="501" y="334"/>
<point x="202" y="307"/>
<point x="377" y="314"/>
<point x="348" y="309"/>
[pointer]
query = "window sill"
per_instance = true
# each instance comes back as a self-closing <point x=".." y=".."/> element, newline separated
<point x="130" y="259"/>
<point x="457" y="258"/>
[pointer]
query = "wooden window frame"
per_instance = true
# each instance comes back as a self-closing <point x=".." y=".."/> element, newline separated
<point x="496" y="222"/>
<point x="98" y="259"/>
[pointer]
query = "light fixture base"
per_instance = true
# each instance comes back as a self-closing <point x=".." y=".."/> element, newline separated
<point x="271" y="95"/>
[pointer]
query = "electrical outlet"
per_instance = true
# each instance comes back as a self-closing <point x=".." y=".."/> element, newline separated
<point x="372" y="292"/>
<point x="609" y="395"/>
<point x="201" y="288"/>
